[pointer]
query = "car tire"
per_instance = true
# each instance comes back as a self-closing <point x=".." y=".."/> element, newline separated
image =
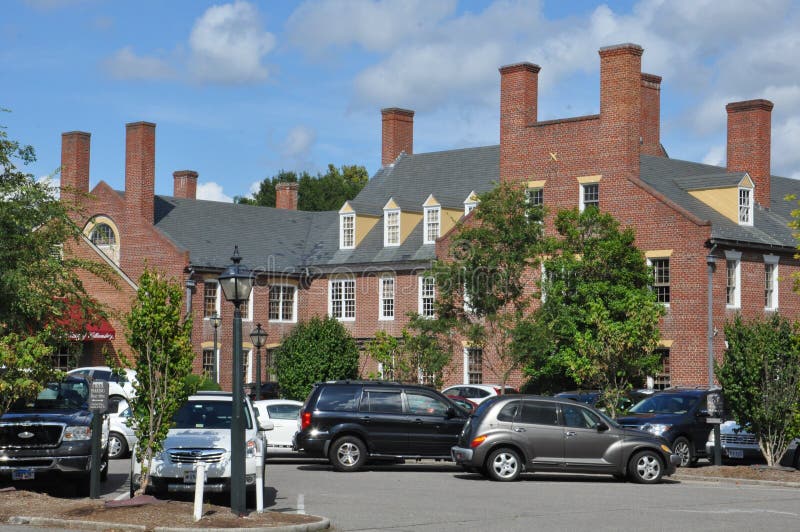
<point x="348" y="454"/>
<point x="683" y="448"/>
<point x="117" y="446"/>
<point x="646" y="467"/>
<point x="503" y="465"/>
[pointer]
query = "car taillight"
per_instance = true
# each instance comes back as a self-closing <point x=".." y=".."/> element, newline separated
<point x="477" y="441"/>
<point x="305" y="420"/>
<point x="497" y="391"/>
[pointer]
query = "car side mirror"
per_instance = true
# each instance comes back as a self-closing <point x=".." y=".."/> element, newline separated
<point x="602" y="427"/>
<point x="451" y="412"/>
<point x="265" y="424"/>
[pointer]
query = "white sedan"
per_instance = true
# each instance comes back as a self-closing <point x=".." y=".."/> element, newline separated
<point x="283" y="413"/>
<point x="121" y="437"/>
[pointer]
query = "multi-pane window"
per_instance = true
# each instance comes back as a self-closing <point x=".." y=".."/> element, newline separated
<point x="387" y="298"/>
<point x="246" y="307"/>
<point x="432" y="215"/>
<point x="347" y="236"/>
<point x="590" y="195"/>
<point x="732" y="284"/>
<point x="210" y="364"/>
<point x="342" y="301"/>
<point x="103" y="235"/>
<point x="745" y="206"/>
<point x="392" y="228"/>
<point x="427" y="297"/>
<point x="770" y="285"/>
<point x="535" y="197"/>
<point x="474" y="371"/>
<point x="62" y="359"/>
<point x="661" y="279"/>
<point x="282" y="303"/>
<point x="469" y="206"/>
<point x="210" y="298"/>
<point x="661" y="381"/>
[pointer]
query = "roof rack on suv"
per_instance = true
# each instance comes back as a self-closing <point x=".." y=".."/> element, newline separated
<point x="365" y="381"/>
<point x="213" y="392"/>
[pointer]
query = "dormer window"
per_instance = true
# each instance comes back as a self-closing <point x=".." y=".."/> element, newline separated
<point x="391" y="227"/>
<point x="470" y="203"/>
<point x="102" y="232"/>
<point x="432" y="224"/>
<point x="745" y="206"/>
<point x="347" y="231"/>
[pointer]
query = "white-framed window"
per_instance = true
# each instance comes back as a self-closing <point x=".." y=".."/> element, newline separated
<point x="210" y="366"/>
<point x="386" y="298"/>
<point x="247" y="355"/>
<point x="469" y="206"/>
<point x="535" y="196"/>
<point x="283" y="303"/>
<point x="427" y="297"/>
<point x="473" y="365"/>
<point x="733" y="269"/>
<point x="661" y="278"/>
<point x="342" y="299"/>
<point x="770" y="282"/>
<point x="590" y="195"/>
<point x="391" y="227"/>
<point x="432" y="224"/>
<point x="745" y="206"/>
<point x="347" y="231"/>
<point x="246" y="308"/>
<point x="105" y="238"/>
<point x="211" y="295"/>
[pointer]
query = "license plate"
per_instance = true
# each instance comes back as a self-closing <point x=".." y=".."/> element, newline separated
<point x="22" y="474"/>
<point x="190" y="477"/>
<point x="735" y="453"/>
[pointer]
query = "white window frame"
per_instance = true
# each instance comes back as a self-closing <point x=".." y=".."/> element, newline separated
<point x="669" y="284"/>
<point x="217" y="303"/>
<point x="429" y="212"/>
<point x="382" y="296"/>
<point x="420" y="299"/>
<point x="467" y="366"/>
<point x="386" y="227"/>
<point x="583" y="186"/>
<point x="736" y="258"/>
<point x="247" y="354"/>
<point x="281" y="318"/>
<point x="469" y="206"/>
<point x="343" y="281"/>
<point x="745" y="211"/>
<point x="343" y="231"/>
<point x="249" y="316"/>
<point x="773" y="261"/>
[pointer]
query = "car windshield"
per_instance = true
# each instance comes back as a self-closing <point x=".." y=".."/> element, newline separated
<point x="664" y="404"/>
<point x="66" y="395"/>
<point x="207" y="415"/>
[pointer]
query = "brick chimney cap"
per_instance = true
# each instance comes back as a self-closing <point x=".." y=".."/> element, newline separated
<point x="516" y="67"/>
<point x="140" y="124"/>
<point x="627" y="47"/>
<point x="185" y="173"/>
<point x="76" y="134"/>
<point x="291" y="185"/>
<point x="397" y="111"/>
<point x="651" y="78"/>
<point x="749" y="105"/>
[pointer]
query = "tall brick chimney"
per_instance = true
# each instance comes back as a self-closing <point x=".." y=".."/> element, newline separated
<point x="651" y="115"/>
<point x="140" y="169"/>
<point x="620" y="108"/>
<point x="74" y="164"/>
<point x="519" y="93"/>
<point x="185" y="184"/>
<point x="749" y="139"/>
<point x="286" y="196"/>
<point x="397" y="132"/>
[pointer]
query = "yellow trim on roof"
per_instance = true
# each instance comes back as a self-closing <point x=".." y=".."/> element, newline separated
<point x="589" y="179"/>
<point x="665" y="343"/>
<point x="658" y="253"/>
<point x="364" y="225"/>
<point x="431" y="202"/>
<point x="346" y="208"/>
<point x="391" y="204"/>
<point x="723" y="200"/>
<point x="746" y="182"/>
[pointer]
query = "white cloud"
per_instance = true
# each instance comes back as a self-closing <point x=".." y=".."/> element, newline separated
<point x="298" y="142"/>
<point x="212" y="192"/>
<point x="126" y="65"/>
<point x="716" y="156"/>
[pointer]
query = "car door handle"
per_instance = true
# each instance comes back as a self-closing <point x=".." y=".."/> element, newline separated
<point x="519" y="429"/>
<point x="418" y="421"/>
<point x="570" y="433"/>
<point x="365" y="419"/>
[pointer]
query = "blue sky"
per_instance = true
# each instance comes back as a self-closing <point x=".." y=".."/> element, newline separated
<point x="240" y="90"/>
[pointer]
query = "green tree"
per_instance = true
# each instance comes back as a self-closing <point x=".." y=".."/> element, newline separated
<point x="760" y="379"/>
<point x="427" y="347"/>
<point x="598" y="307"/>
<point x="483" y="283"/>
<point x="161" y="342"/>
<point x="318" y="350"/>
<point x="323" y="192"/>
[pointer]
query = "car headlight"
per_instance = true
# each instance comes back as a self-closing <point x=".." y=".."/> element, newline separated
<point x="250" y="450"/>
<point x="78" y="433"/>
<point x="666" y="449"/>
<point x="656" y="428"/>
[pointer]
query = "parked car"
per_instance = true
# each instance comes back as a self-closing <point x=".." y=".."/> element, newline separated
<point x="478" y="392"/>
<point x="283" y="413"/>
<point x="120" y="382"/>
<point x="351" y="421"/>
<point x="121" y="436"/>
<point x="508" y="435"/>
<point x="679" y="415"/>
<point x="592" y="397"/>
<point x="468" y="405"/>
<point x="201" y="433"/>
<point x="738" y="444"/>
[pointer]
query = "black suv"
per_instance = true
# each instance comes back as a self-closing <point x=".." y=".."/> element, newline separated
<point x="351" y="421"/>
<point x="678" y="415"/>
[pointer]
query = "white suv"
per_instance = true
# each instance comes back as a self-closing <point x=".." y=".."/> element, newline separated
<point x="201" y="433"/>
<point x="477" y="393"/>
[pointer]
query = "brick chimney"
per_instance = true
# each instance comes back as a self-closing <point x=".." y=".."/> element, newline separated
<point x="620" y="108"/>
<point x="519" y="93"/>
<point x="749" y="138"/>
<point x="651" y="115"/>
<point x="74" y="164"/>
<point x="185" y="184"/>
<point x="398" y="134"/>
<point x="286" y="196"/>
<point x="140" y="168"/>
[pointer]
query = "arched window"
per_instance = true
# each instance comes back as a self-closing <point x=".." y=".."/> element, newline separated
<point x="103" y="235"/>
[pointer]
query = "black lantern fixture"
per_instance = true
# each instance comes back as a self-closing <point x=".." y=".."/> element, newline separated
<point x="259" y="337"/>
<point x="237" y="282"/>
<point x="216" y="321"/>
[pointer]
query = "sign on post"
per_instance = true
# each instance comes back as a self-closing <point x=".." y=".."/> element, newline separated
<point x="98" y="397"/>
<point x="98" y="405"/>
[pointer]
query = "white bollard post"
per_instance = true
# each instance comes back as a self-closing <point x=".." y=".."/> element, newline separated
<point x="260" y="488"/>
<point x="199" y="486"/>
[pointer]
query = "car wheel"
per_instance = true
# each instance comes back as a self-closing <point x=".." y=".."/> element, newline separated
<point x="683" y="448"/>
<point x="348" y="453"/>
<point x="117" y="446"/>
<point x="646" y="467"/>
<point x="503" y="465"/>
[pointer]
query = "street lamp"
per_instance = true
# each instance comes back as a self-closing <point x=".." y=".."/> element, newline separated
<point x="237" y="282"/>
<point x="259" y="337"/>
<point x="216" y="321"/>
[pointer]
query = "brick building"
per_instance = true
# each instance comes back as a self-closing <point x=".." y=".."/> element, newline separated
<point x="702" y="227"/>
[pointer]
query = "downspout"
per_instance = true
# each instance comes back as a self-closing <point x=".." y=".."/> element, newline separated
<point x="190" y="284"/>
<point x="711" y="261"/>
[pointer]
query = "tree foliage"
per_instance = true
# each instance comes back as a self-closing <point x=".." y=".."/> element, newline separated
<point x="760" y="379"/>
<point x="597" y="306"/>
<point x="318" y="350"/>
<point x="323" y="192"/>
<point x="161" y="342"/>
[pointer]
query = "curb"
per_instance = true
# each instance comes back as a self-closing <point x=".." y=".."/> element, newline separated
<point x="322" y="524"/>
<point x="730" y="480"/>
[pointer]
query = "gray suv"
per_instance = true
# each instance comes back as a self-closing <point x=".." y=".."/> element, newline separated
<point x="508" y="435"/>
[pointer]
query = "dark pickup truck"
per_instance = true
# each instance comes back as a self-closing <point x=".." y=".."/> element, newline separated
<point x="51" y="436"/>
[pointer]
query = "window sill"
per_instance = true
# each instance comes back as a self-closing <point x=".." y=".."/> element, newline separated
<point x="390" y="318"/>
<point x="282" y="321"/>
